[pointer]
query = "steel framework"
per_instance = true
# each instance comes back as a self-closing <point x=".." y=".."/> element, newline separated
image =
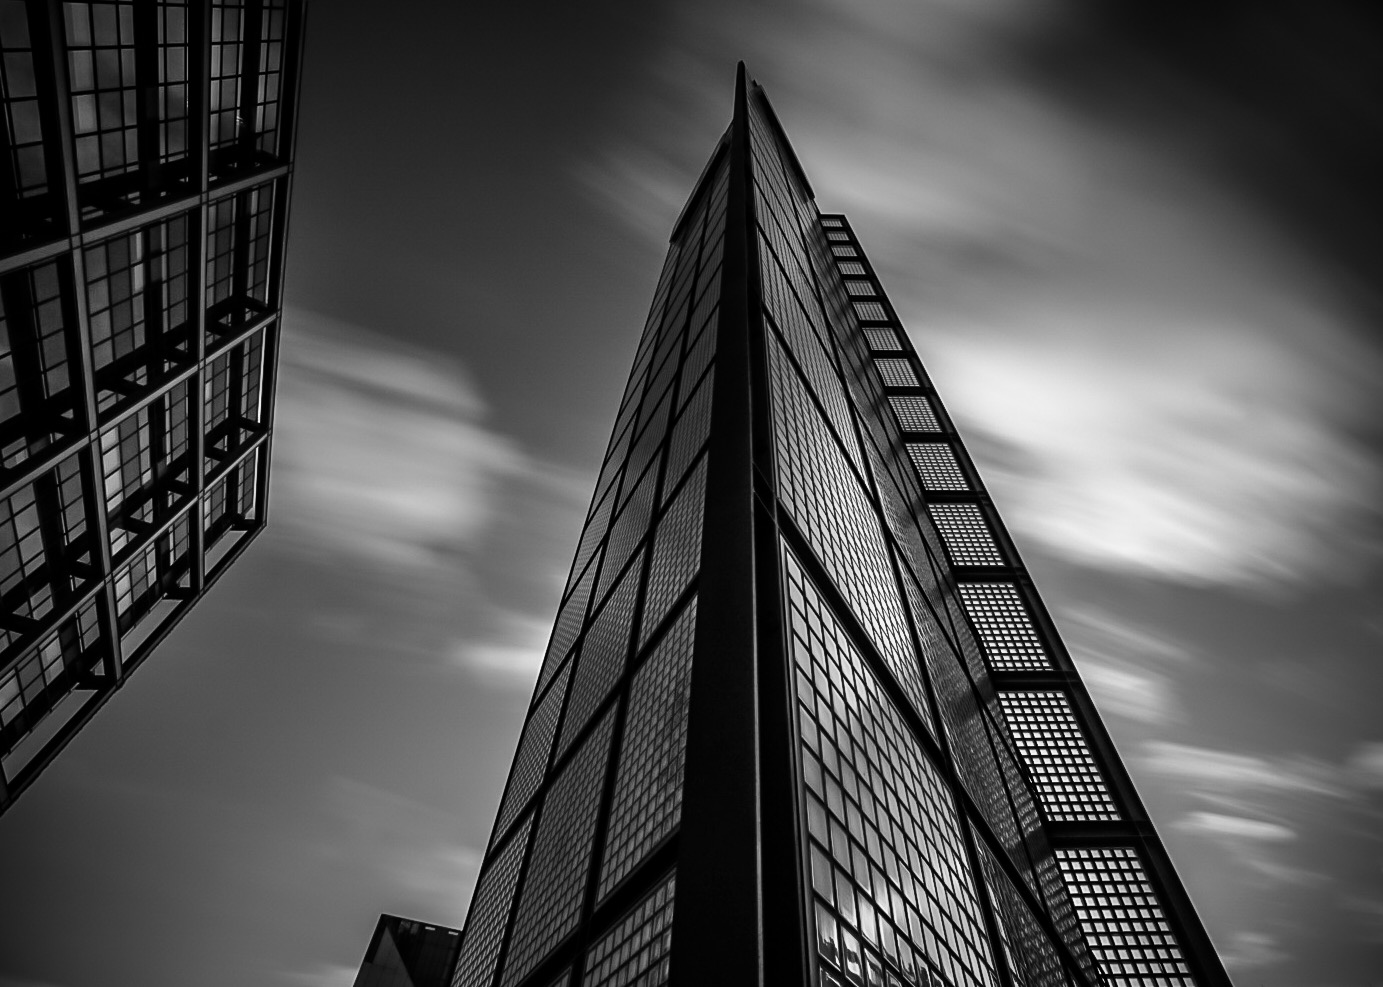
<point x="144" y="189"/>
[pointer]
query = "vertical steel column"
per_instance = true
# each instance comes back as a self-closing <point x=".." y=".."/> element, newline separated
<point x="718" y="911"/>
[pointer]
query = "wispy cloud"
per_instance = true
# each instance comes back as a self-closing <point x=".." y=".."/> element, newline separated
<point x="1236" y="827"/>
<point x="511" y="654"/>
<point x="407" y="843"/>
<point x="1180" y="383"/>
<point x="1126" y="666"/>
<point x="381" y="455"/>
<point x="1215" y="773"/>
<point x="1249" y="950"/>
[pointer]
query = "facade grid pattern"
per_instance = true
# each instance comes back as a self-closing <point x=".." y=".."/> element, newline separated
<point x="1004" y="628"/>
<point x="937" y="466"/>
<point x="966" y="534"/>
<point x="914" y="413"/>
<point x="888" y="866"/>
<point x="555" y="884"/>
<point x="110" y="179"/>
<point x="601" y="659"/>
<point x="635" y="952"/>
<point x="1128" y="932"/>
<point x="489" y="914"/>
<point x="882" y="340"/>
<point x="530" y="761"/>
<point x="1064" y="772"/>
<point x="896" y="372"/>
<point x="648" y="785"/>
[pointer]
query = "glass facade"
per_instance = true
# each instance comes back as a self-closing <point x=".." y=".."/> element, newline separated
<point x="141" y="261"/>
<point x="802" y="717"/>
<point x="405" y="953"/>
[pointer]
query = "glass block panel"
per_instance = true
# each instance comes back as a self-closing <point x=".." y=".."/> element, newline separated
<point x="1123" y="921"/>
<point x="914" y="413"/>
<point x="896" y="372"/>
<point x="852" y="267"/>
<point x="966" y="534"/>
<point x="860" y="289"/>
<point x="556" y="882"/>
<point x="602" y="656"/>
<point x="676" y="550"/>
<point x="843" y="251"/>
<point x="489" y="914"/>
<point x="648" y="788"/>
<point x="870" y="312"/>
<point x="530" y="761"/>
<point x="1004" y="628"/>
<point x="893" y="893"/>
<point x="596" y="526"/>
<point x="883" y="340"/>
<point x="937" y="466"/>
<point x="1058" y="759"/>
<point x="635" y="951"/>
<point x="698" y="356"/>
<point x="831" y="221"/>
<point x="837" y="236"/>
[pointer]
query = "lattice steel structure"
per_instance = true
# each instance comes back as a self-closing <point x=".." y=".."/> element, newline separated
<point x="803" y="718"/>
<point x="144" y="188"/>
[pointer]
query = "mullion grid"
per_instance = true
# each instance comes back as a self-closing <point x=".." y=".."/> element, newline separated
<point x="38" y="399"/>
<point x="101" y="72"/>
<point x="903" y="372"/>
<point x="27" y="163"/>
<point x="1065" y="773"/>
<point x="34" y="685"/>
<point x="45" y="552"/>
<point x="603" y="563"/>
<point x="886" y="857"/>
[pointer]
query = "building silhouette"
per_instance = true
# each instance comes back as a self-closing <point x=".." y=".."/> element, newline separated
<point x="405" y="953"/>
<point x="144" y="187"/>
<point x="803" y="717"/>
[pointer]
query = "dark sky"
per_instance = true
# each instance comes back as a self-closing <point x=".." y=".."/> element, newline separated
<point x="1136" y="245"/>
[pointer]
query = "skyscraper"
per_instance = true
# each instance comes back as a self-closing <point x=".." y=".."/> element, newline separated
<point x="405" y="953"/>
<point x="803" y="717"/>
<point x="144" y="188"/>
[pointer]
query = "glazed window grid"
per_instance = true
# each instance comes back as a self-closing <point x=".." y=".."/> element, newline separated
<point x="817" y="488"/>
<point x="489" y="913"/>
<point x="34" y="684"/>
<point x="22" y="121"/>
<point x="635" y="951"/>
<point x="555" y="884"/>
<point x="601" y="659"/>
<point x="530" y="760"/>
<point x="44" y="318"/>
<point x="142" y="581"/>
<point x="101" y="71"/>
<point x="676" y="551"/>
<point x="888" y="863"/>
<point x="227" y="53"/>
<point x="883" y="341"/>
<point x="647" y="803"/>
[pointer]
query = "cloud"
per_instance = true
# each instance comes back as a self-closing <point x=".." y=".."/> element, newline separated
<point x="1236" y="827"/>
<point x="511" y="655"/>
<point x="1248" y="950"/>
<point x="406" y="842"/>
<point x="381" y="455"/>
<point x="1123" y="665"/>
<point x="1212" y="772"/>
<point x="1366" y="764"/>
<point x="322" y="975"/>
<point x="641" y="189"/>
<point x="1181" y="382"/>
